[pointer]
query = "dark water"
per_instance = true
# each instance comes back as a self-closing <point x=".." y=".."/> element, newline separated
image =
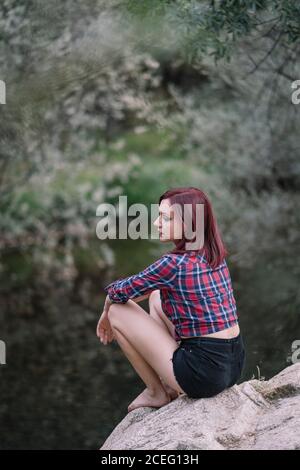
<point x="62" y="389"/>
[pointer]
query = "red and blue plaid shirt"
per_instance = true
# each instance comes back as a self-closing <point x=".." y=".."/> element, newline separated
<point x="196" y="298"/>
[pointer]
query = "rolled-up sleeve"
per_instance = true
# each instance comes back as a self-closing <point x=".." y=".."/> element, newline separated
<point x="160" y="274"/>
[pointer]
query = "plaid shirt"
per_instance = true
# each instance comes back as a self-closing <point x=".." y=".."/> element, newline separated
<point x="197" y="299"/>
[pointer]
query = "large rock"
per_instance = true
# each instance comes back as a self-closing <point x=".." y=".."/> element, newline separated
<point x="256" y="414"/>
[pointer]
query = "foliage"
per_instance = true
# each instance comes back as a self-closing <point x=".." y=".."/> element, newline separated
<point x="97" y="109"/>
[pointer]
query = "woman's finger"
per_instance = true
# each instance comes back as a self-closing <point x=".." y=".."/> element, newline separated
<point x="98" y="327"/>
<point x="101" y="333"/>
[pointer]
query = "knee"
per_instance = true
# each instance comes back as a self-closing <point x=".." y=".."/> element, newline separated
<point x="154" y="301"/>
<point x="113" y="310"/>
<point x="154" y="296"/>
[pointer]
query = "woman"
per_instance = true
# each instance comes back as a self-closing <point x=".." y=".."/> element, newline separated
<point x="191" y="342"/>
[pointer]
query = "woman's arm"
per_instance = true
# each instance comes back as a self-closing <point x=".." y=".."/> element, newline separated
<point x="104" y="330"/>
<point x="160" y="274"/>
<point x="142" y="297"/>
<point x="107" y="304"/>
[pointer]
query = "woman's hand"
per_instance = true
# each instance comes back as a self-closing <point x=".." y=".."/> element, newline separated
<point x="107" y="304"/>
<point x="104" y="330"/>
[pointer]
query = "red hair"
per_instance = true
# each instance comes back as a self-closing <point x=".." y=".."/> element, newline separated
<point x="213" y="247"/>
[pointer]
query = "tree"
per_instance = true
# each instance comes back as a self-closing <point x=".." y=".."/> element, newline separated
<point x="215" y="27"/>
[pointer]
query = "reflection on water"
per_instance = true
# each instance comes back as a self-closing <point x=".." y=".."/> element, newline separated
<point x="62" y="388"/>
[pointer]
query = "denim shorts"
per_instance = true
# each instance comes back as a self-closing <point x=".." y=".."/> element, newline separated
<point x="205" y="366"/>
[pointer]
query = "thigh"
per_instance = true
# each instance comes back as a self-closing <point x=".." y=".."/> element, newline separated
<point x="156" y="310"/>
<point x="149" y="338"/>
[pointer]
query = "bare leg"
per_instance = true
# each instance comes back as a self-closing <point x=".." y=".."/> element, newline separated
<point x="154" y="395"/>
<point x="159" y="316"/>
<point x="148" y="347"/>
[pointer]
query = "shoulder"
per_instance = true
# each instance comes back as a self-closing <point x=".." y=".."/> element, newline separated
<point x="166" y="259"/>
<point x="172" y="259"/>
<point x="166" y="265"/>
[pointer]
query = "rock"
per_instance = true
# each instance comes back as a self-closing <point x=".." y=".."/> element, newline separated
<point x="256" y="414"/>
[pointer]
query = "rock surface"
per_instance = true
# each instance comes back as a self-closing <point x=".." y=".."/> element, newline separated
<point x="256" y="414"/>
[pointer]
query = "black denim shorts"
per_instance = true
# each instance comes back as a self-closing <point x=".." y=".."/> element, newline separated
<point x="205" y="366"/>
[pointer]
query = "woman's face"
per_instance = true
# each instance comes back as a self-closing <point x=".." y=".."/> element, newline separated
<point x="168" y="227"/>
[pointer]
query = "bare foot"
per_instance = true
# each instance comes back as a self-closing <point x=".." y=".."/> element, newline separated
<point x="148" y="399"/>
<point x="170" y="391"/>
